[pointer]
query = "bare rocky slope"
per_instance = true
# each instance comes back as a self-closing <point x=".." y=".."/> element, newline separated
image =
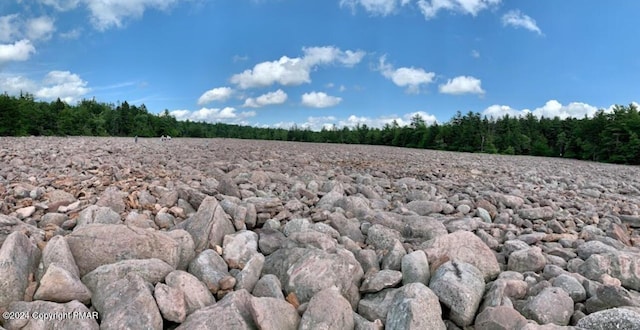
<point x="238" y="234"/>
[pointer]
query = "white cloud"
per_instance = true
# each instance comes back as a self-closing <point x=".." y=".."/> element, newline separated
<point x="106" y="14"/>
<point x="213" y="115"/>
<point x="216" y="94"/>
<point x="18" y="51"/>
<point x="9" y="28"/>
<point x="430" y="8"/>
<point x="294" y="71"/>
<point x="475" y="54"/>
<point x="551" y="109"/>
<point x="517" y="19"/>
<point x="411" y="78"/>
<point x="462" y="85"/>
<point x="375" y="7"/>
<point x="320" y="100"/>
<point x="71" y="34"/>
<point x="65" y="85"/>
<point x="40" y="28"/>
<point x="277" y="97"/>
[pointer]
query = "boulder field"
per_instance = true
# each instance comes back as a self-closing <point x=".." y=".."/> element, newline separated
<point x="105" y="233"/>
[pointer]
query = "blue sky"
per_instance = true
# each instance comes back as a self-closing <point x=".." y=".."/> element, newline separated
<point x="321" y="62"/>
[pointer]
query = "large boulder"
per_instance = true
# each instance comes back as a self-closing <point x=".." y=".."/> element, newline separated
<point x="463" y="246"/>
<point x="209" y="225"/>
<point x="327" y="309"/>
<point x="96" y="245"/>
<point x="551" y="305"/>
<point x="19" y="259"/>
<point x="232" y="312"/>
<point x="306" y="272"/>
<point x="624" y="266"/>
<point x="615" y="318"/>
<point x="415" y="306"/>
<point x="460" y="287"/>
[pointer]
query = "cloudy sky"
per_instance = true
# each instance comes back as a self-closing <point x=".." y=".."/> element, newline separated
<point x="323" y="62"/>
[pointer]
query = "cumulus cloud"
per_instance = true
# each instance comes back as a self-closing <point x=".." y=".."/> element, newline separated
<point x="67" y="86"/>
<point x="517" y="19"/>
<point x="213" y="115"/>
<point x="375" y="7"/>
<point x="551" y="109"/>
<point x="288" y="71"/>
<point x="462" y="85"/>
<point x="277" y="97"/>
<point x="106" y="14"/>
<point x="40" y="28"/>
<point x="9" y="28"/>
<point x="320" y="100"/>
<point x="411" y="78"/>
<point x="216" y="94"/>
<point x="430" y="8"/>
<point x="18" y="51"/>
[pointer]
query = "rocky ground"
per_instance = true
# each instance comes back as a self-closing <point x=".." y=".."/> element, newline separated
<point x="232" y="234"/>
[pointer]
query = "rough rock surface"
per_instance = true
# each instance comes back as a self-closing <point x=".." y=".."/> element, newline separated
<point x="224" y="233"/>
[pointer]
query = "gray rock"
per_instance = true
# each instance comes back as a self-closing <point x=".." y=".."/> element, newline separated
<point x="272" y="313"/>
<point x="57" y="251"/>
<point x="415" y="268"/>
<point x="209" y="225"/>
<point x="374" y="306"/>
<point x="510" y="201"/>
<point x="415" y="306"/>
<point x="186" y="247"/>
<point x="620" y="265"/>
<point x="328" y="309"/>
<point x="616" y="318"/>
<point x="460" y="287"/>
<point x="314" y="239"/>
<point x="270" y="240"/>
<point x="84" y="318"/>
<point x="377" y="281"/>
<point x="392" y="258"/>
<point x="425" y="207"/>
<point x="346" y="227"/>
<point x="232" y="312"/>
<point x="196" y="294"/>
<point x="128" y="303"/>
<point x="10" y="224"/>
<point x="113" y="198"/>
<point x="98" y="214"/>
<point x="360" y="323"/>
<point x="268" y="286"/>
<point x="552" y="305"/>
<point x="165" y="220"/>
<point x="52" y="218"/>
<point x="308" y="271"/>
<point x="19" y="258"/>
<point x="60" y="285"/>
<point x="150" y="270"/>
<point x="239" y="248"/>
<point x="466" y="247"/>
<point x="503" y="291"/>
<point x="529" y="260"/>
<point x="572" y="286"/>
<point x="590" y="248"/>
<point x="248" y="277"/>
<point x="210" y="268"/>
<point x="544" y="213"/>
<point x="499" y="318"/>
<point x="483" y="214"/>
<point x="424" y="228"/>
<point x="171" y="302"/>
<point x="96" y="245"/>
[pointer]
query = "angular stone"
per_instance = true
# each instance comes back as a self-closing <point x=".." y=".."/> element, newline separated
<point x="544" y="213"/>
<point x="552" y="305"/>
<point x="19" y="258"/>
<point x="374" y="306"/>
<point x="272" y="313"/>
<point x="500" y="318"/>
<point x="377" y="281"/>
<point x="171" y="302"/>
<point x="210" y="268"/>
<point x="150" y="270"/>
<point x="327" y="309"/>
<point x="209" y="225"/>
<point x="415" y="268"/>
<point x="196" y="294"/>
<point x="60" y="285"/>
<point x="98" y="215"/>
<point x="113" y="198"/>
<point x="239" y="248"/>
<point x="268" y="286"/>
<point x="466" y="247"/>
<point x="248" y="277"/>
<point x="57" y="251"/>
<point x="96" y="245"/>
<point x="460" y="287"/>
<point x="415" y="306"/>
<point x="621" y="265"/>
<point x="529" y="260"/>
<point x="232" y="312"/>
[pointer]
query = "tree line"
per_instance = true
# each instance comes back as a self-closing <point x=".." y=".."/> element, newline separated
<point x="605" y="137"/>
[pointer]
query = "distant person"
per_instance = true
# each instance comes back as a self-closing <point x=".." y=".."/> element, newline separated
<point x="162" y="138"/>
<point x="168" y="137"/>
<point x="136" y="139"/>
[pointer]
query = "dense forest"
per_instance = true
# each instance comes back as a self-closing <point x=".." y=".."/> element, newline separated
<point x="606" y="137"/>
